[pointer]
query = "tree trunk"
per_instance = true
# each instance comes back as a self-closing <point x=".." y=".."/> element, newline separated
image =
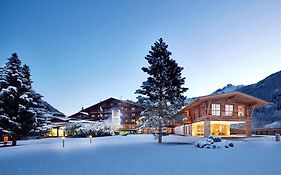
<point x="14" y="141"/>
<point x="160" y="134"/>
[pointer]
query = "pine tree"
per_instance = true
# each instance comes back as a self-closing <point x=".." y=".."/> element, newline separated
<point x="17" y="115"/>
<point x="3" y="83"/>
<point x="42" y="113"/>
<point x="163" y="90"/>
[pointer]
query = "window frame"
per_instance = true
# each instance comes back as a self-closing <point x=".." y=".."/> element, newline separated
<point x="244" y="110"/>
<point x="216" y="109"/>
<point x="228" y="111"/>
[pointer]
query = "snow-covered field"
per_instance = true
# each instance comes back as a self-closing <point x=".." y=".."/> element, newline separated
<point x="140" y="155"/>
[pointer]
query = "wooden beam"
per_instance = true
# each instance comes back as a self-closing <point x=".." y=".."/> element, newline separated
<point x="209" y="104"/>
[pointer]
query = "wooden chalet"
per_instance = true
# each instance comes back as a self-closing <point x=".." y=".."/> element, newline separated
<point x="123" y="115"/>
<point x="220" y="114"/>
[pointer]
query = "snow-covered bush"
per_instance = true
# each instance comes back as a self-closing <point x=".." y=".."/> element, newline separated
<point x="213" y="142"/>
<point x="82" y="128"/>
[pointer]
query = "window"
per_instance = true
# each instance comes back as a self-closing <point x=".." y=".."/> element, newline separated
<point x="196" y="112"/>
<point x="216" y="109"/>
<point x="133" y="114"/>
<point x="241" y="111"/>
<point x="116" y="120"/>
<point x="133" y="109"/>
<point x="228" y="110"/>
<point x="187" y="113"/>
<point x="133" y="120"/>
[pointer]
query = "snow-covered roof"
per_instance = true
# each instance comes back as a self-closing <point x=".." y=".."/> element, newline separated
<point x="99" y="103"/>
<point x="85" y="113"/>
<point x="80" y="121"/>
<point x="61" y="118"/>
<point x="238" y="95"/>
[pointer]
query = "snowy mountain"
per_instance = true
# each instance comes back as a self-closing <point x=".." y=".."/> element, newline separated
<point x="268" y="89"/>
<point x="228" y="88"/>
<point x="51" y="109"/>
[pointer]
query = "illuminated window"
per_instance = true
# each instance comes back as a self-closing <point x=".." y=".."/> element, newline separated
<point x="241" y="111"/>
<point x="133" y="109"/>
<point x="187" y="113"/>
<point x="133" y="114"/>
<point x="216" y="109"/>
<point x="133" y="120"/>
<point x="116" y="120"/>
<point x="61" y="132"/>
<point x="228" y="110"/>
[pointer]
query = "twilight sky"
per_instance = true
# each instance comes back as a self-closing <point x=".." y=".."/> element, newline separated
<point x="82" y="52"/>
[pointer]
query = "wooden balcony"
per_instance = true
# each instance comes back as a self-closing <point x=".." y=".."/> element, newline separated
<point x="219" y="118"/>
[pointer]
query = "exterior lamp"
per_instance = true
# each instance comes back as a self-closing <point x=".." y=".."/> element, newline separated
<point x="63" y="138"/>
<point x="6" y="138"/>
<point x="90" y="138"/>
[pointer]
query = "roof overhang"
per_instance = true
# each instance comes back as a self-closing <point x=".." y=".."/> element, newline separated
<point x="237" y="96"/>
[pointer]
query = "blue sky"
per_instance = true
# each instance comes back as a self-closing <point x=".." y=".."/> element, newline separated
<point x="81" y="52"/>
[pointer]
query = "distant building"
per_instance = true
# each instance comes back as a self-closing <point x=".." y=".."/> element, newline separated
<point x="56" y="127"/>
<point x="121" y="115"/>
<point x="220" y="114"/>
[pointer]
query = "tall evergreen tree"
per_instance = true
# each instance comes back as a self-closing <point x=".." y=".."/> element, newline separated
<point x="2" y="85"/>
<point x="37" y="104"/>
<point x="163" y="90"/>
<point x="17" y="115"/>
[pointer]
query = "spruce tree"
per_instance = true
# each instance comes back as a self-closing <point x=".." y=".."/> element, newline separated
<point x="17" y="115"/>
<point x="37" y="105"/>
<point x="162" y="92"/>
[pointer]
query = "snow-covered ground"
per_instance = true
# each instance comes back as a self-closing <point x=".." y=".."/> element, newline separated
<point x="140" y="155"/>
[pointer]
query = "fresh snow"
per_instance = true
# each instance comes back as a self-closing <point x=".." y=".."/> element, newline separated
<point x="228" y="88"/>
<point x="140" y="155"/>
<point x="276" y="124"/>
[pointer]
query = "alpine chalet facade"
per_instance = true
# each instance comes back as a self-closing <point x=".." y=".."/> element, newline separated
<point x="216" y="114"/>
<point x="122" y="115"/>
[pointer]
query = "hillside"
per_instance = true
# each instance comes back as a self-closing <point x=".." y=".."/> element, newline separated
<point x="268" y="89"/>
<point x="51" y="109"/>
<point x="228" y="88"/>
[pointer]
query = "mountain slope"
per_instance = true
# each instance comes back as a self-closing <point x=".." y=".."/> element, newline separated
<point x="268" y="89"/>
<point x="228" y="88"/>
<point x="51" y="109"/>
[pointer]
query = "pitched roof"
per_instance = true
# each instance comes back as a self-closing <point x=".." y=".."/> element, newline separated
<point x="99" y="103"/>
<point x="237" y="95"/>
